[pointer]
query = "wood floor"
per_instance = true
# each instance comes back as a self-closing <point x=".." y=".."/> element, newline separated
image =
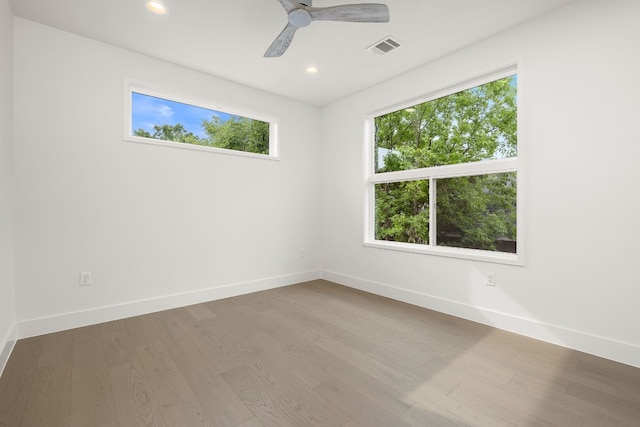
<point x="314" y="354"/>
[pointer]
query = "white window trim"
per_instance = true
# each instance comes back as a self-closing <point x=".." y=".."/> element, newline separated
<point x="464" y="169"/>
<point x="131" y="86"/>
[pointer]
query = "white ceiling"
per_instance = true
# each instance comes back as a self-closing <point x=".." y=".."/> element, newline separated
<point x="228" y="38"/>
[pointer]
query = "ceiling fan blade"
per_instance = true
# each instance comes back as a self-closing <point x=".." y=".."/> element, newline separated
<point x="289" y="5"/>
<point x="281" y="43"/>
<point x="364" y="12"/>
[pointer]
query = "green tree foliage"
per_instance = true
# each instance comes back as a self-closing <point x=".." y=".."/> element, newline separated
<point x="402" y="211"/>
<point x="472" y="125"/>
<point x="477" y="212"/>
<point x="237" y="133"/>
<point x="175" y="133"/>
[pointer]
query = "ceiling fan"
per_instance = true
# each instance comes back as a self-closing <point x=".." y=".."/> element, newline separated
<point x="301" y="14"/>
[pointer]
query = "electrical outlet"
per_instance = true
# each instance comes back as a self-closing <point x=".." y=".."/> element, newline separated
<point x="490" y="279"/>
<point x="85" y="278"/>
<point x="301" y="253"/>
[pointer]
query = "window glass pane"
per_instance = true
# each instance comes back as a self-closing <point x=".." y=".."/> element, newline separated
<point x="402" y="211"/>
<point x="477" y="212"/>
<point x="166" y="120"/>
<point x="472" y="125"/>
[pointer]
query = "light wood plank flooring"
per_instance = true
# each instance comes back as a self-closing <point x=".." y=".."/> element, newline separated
<point x="313" y="354"/>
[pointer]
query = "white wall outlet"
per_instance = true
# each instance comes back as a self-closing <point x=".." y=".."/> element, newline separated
<point x="85" y="278"/>
<point x="490" y="279"/>
<point x="301" y="253"/>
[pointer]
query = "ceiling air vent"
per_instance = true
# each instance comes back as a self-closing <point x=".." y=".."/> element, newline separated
<point x="385" y="45"/>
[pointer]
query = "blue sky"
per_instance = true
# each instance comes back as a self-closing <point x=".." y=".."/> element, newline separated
<point x="147" y="111"/>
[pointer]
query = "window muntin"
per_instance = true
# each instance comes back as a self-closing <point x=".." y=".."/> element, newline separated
<point x="445" y="174"/>
<point x="154" y="117"/>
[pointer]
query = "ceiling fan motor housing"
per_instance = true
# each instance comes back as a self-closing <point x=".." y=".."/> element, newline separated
<point x="299" y="18"/>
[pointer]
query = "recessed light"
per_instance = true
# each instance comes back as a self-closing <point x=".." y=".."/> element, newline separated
<point x="156" y="6"/>
<point x="311" y="69"/>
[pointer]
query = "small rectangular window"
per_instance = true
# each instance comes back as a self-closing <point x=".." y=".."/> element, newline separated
<point x="154" y="117"/>
<point x="445" y="174"/>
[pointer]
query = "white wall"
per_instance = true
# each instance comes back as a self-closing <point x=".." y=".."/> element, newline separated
<point x="7" y="277"/>
<point x="157" y="227"/>
<point x="580" y="286"/>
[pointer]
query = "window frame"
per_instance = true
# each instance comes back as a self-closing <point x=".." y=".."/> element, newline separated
<point x="512" y="164"/>
<point x="131" y="86"/>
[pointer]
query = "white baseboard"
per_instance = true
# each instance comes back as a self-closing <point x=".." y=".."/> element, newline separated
<point x="618" y="351"/>
<point x="60" y="322"/>
<point x="600" y="346"/>
<point x="6" y="347"/>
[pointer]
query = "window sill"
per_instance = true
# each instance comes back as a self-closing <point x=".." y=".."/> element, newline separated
<point x="460" y="253"/>
<point x="184" y="146"/>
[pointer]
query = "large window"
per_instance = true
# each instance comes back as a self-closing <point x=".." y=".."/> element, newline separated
<point x="445" y="175"/>
<point x="175" y="121"/>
